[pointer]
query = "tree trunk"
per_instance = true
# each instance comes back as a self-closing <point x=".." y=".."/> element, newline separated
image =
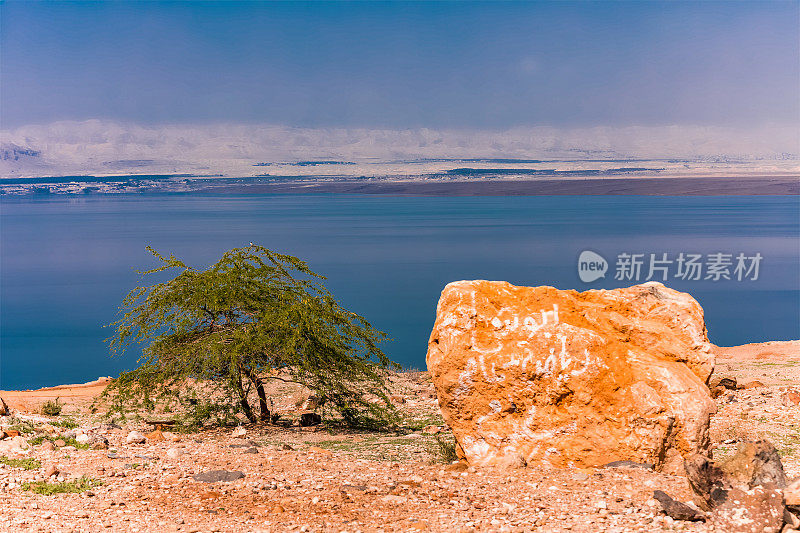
<point x="248" y="412"/>
<point x="262" y="401"/>
<point x="263" y="406"/>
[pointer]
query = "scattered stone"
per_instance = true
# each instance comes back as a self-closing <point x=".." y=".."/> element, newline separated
<point x="174" y="453"/>
<point x="791" y="520"/>
<point x="155" y="436"/>
<point x="752" y="385"/>
<point x="536" y="375"/>
<point x="431" y="430"/>
<point x="98" y="442"/>
<point x="317" y="449"/>
<point x="726" y="383"/>
<point x="790" y="399"/>
<point x="286" y="447"/>
<point x="214" y="476"/>
<point x="50" y="471"/>
<point x="791" y="495"/>
<point x="47" y="446"/>
<point x="239" y="433"/>
<point x="755" y="463"/>
<point x="135" y="437"/>
<point x="60" y="443"/>
<point x="757" y="510"/>
<point x="4" y="410"/>
<point x="83" y="438"/>
<point x="13" y="445"/>
<point x="628" y="464"/>
<point x="677" y="510"/>
<point x="310" y="419"/>
<point x="11" y="433"/>
<point x="251" y="449"/>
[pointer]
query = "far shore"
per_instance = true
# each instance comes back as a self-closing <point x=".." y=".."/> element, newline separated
<point x="772" y="185"/>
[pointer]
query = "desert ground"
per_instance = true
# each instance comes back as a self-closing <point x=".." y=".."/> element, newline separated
<point x="321" y="478"/>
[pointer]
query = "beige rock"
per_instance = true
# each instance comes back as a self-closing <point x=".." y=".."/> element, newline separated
<point x="528" y="375"/>
<point x="135" y="437"/>
<point x="239" y="433"/>
<point x="792" y="493"/>
<point x="13" y="445"/>
<point x="758" y="510"/>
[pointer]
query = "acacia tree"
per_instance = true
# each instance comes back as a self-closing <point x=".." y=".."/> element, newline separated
<point x="254" y="316"/>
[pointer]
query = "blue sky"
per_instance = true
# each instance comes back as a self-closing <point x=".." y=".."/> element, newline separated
<point x="401" y="65"/>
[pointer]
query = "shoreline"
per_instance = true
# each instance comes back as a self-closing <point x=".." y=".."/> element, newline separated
<point x="768" y="352"/>
<point x="788" y="185"/>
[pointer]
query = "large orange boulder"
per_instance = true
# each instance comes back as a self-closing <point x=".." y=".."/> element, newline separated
<point x="537" y="375"/>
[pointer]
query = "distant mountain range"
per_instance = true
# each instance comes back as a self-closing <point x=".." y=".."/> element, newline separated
<point x="239" y="150"/>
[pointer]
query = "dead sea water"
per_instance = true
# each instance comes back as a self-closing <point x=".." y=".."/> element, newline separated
<point x="68" y="261"/>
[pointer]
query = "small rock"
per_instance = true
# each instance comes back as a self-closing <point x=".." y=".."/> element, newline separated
<point x="155" y="436"/>
<point x="214" y="476"/>
<point x="251" y="449"/>
<point x="47" y="446"/>
<point x="317" y="449"/>
<point x="792" y="493"/>
<point x="60" y="443"/>
<point x="431" y="430"/>
<point x="239" y="433"/>
<point x="13" y="445"/>
<point x="135" y="437"/>
<point x="727" y="383"/>
<point x="628" y="464"/>
<point x="677" y="510"/>
<point x="99" y="443"/>
<point x="310" y="419"/>
<point x="287" y="447"/>
<point x="174" y="453"/>
<point x="83" y="438"/>
<point x="50" y="471"/>
<point x="753" y="385"/>
<point x="790" y="399"/>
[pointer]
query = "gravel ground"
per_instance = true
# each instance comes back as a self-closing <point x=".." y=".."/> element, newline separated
<point x="300" y="479"/>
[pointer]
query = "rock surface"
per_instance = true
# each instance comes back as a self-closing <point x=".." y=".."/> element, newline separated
<point x="528" y="375"/>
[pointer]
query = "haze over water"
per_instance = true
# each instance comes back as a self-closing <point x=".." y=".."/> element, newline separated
<point x="68" y="261"/>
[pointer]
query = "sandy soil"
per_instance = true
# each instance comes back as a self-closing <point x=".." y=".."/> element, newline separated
<point x="301" y="479"/>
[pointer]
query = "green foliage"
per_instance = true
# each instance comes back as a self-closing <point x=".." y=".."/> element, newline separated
<point x="66" y="424"/>
<point x="444" y="449"/>
<point x="81" y="484"/>
<point x="68" y="441"/>
<point x="22" y="426"/>
<point x="51" y="408"/>
<point x="27" y="463"/>
<point x="254" y="316"/>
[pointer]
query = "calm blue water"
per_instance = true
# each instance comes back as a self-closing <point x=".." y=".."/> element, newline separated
<point x="67" y="261"/>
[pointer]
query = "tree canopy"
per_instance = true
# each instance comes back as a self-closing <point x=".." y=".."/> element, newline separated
<point x="254" y="316"/>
